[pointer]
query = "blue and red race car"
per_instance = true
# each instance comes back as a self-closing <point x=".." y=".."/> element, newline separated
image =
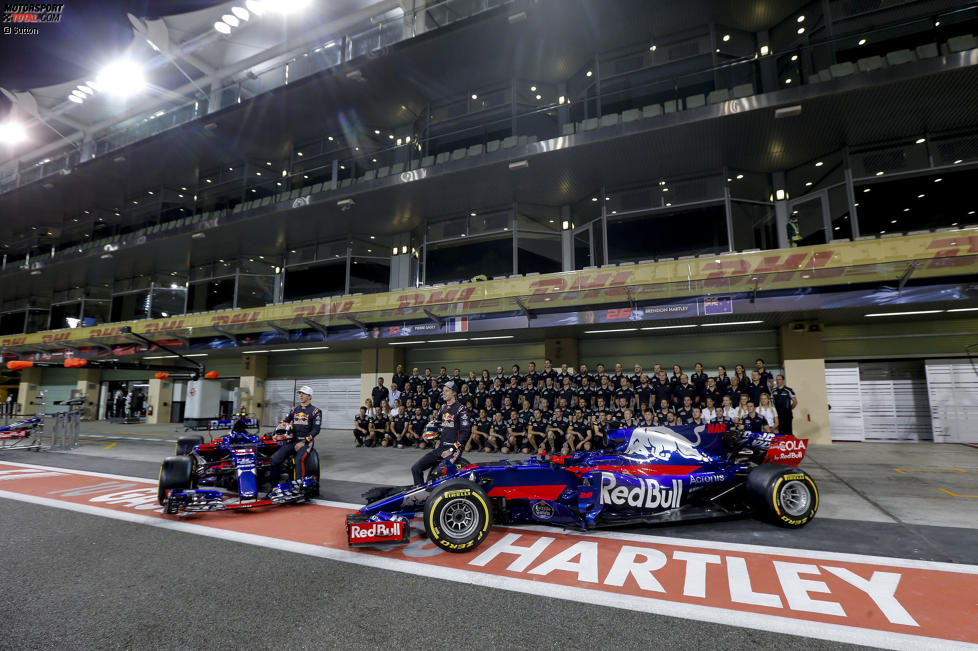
<point x="233" y="472"/>
<point x="644" y="475"/>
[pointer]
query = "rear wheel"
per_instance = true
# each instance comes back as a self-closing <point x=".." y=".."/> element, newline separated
<point x="175" y="473"/>
<point x="186" y="444"/>
<point x="785" y="495"/>
<point x="457" y="516"/>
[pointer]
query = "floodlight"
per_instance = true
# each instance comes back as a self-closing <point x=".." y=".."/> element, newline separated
<point x="241" y="13"/>
<point x="12" y="133"/>
<point x="231" y="20"/>
<point x="222" y="27"/>
<point x="122" y="77"/>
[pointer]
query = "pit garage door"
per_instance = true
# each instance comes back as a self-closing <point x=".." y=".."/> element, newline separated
<point x="338" y="397"/>
<point x="878" y="401"/>
<point x="952" y="385"/>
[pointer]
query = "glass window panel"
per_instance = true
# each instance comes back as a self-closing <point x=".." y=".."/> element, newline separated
<point x="60" y="315"/>
<point x="316" y="281"/>
<point x="491" y="222"/>
<point x="672" y="234"/>
<point x="447" y="229"/>
<point x="839" y="208"/>
<point x="211" y="295"/>
<point x="37" y="320"/>
<point x="935" y="200"/>
<point x="816" y="174"/>
<point x="539" y="253"/>
<point x="168" y="301"/>
<point x="893" y="159"/>
<point x="369" y="275"/>
<point x="811" y="221"/>
<point x="12" y="323"/>
<point x="372" y="249"/>
<point x="582" y="249"/>
<point x="96" y="311"/>
<point x="300" y="255"/>
<point x="130" y="306"/>
<point x="754" y="226"/>
<point x="750" y="185"/>
<point x="461" y="261"/>
<point x="255" y="291"/>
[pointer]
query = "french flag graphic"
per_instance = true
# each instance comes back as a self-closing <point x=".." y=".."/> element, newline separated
<point x="458" y="324"/>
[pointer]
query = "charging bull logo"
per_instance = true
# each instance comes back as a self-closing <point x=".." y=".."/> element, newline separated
<point x="660" y="444"/>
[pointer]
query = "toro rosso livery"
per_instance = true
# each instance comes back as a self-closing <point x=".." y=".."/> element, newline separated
<point x="234" y="472"/>
<point x="644" y="475"/>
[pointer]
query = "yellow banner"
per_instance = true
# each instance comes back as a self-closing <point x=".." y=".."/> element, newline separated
<point x="935" y="254"/>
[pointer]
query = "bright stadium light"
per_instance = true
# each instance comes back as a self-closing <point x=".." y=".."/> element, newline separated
<point x="222" y="27"/>
<point x="241" y="13"/>
<point x="75" y="99"/>
<point x="12" y="133"/>
<point x="121" y="78"/>
<point x="256" y="7"/>
<point x="287" y="6"/>
<point x="231" y="20"/>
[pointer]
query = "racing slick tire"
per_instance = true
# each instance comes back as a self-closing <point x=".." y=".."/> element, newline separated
<point x="186" y="444"/>
<point x="458" y="515"/>
<point x="176" y="472"/>
<point x="783" y="494"/>
<point x="436" y="471"/>
<point x="311" y="469"/>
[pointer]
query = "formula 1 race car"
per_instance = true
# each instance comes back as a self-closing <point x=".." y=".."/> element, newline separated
<point x="202" y="475"/>
<point x="644" y="475"/>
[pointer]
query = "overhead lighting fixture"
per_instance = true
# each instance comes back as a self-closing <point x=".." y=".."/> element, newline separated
<point x="958" y="162"/>
<point x="819" y="164"/>
<point x="687" y="325"/>
<point x="905" y="313"/>
<point x="787" y="111"/>
<point x="794" y="57"/>
<point x="787" y="81"/>
<point x="779" y="194"/>
<point x="76" y="100"/>
<point x="598" y="332"/>
<point x="231" y="20"/>
<point x="222" y="27"/>
<point x="315" y="348"/>
<point x="241" y="13"/>
<point x="565" y="225"/>
<point x="801" y="30"/>
<point x="519" y="164"/>
<point x="12" y="133"/>
<point x="283" y="350"/>
<point x="533" y="89"/>
<point x="879" y="174"/>
<point x="920" y="141"/>
<point x="588" y="73"/>
<point x="862" y="41"/>
<point x="123" y="77"/>
<point x="474" y="96"/>
<point x="249" y="352"/>
<point x="256" y="7"/>
<point x="731" y="323"/>
<point x="405" y="343"/>
<point x="938" y="180"/>
<point x="801" y="18"/>
<point x="726" y="37"/>
<point x="446" y="341"/>
<point x="740" y="176"/>
<point x="765" y="50"/>
<point x="652" y="48"/>
<point x="964" y="309"/>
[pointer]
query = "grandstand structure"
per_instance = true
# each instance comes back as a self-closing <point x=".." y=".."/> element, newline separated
<point x="320" y="196"/>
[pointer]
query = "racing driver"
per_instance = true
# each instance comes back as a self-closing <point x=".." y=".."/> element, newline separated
<point x="455" y="424"/>
<point x="306" y="422"/>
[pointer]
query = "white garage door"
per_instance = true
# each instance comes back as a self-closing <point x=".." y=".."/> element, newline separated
<point x="338" y="397"/>
<point x="878" y="401"/>
<point x="953" y="389"/>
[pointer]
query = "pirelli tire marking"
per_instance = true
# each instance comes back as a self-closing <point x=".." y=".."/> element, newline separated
<point x="471" y="539"/>
<point x="776" y="495"/>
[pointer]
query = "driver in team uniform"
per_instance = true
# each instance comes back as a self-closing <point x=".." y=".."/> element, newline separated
<point x="455" y="423"/>
<point x="306" y="421"/>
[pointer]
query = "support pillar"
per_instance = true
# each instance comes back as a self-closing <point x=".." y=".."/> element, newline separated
<point x="87" y="386"/>
<point x="561" y="351"/>
<point x="30" y="386"/>
<point x="160" y="400"/>
<point x="378" y="362"/>
<point x="804" y="371"/>
<point x="254" y="371"/>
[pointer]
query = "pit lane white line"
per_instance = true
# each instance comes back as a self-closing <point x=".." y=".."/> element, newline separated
<point x="771" y="623"/>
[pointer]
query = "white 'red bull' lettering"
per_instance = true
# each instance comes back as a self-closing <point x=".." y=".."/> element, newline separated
<point x="649" y="494"/>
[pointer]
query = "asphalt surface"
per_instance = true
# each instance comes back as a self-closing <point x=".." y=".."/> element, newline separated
<point x="73" y="581"/>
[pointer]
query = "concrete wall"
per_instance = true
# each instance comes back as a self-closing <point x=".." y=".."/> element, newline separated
<point x="707" y="345"/>
<point x="895" y="337"/>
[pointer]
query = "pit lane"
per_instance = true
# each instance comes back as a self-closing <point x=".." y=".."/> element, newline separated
<point x="62" y="558"/>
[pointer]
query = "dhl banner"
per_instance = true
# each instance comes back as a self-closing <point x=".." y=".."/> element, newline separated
<point x="931" y="255"/>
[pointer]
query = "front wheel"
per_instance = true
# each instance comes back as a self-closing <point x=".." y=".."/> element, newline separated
<point x="175" y="473"/>
<point x="783" y="494"/>
<point x="457" y="516"/>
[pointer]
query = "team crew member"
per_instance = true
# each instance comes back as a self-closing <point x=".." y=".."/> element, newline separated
<point x="361" y="427"/>
<point x="784" y="402"/>
<point x="306" y="422"/>
<point x="455" y="424"/>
